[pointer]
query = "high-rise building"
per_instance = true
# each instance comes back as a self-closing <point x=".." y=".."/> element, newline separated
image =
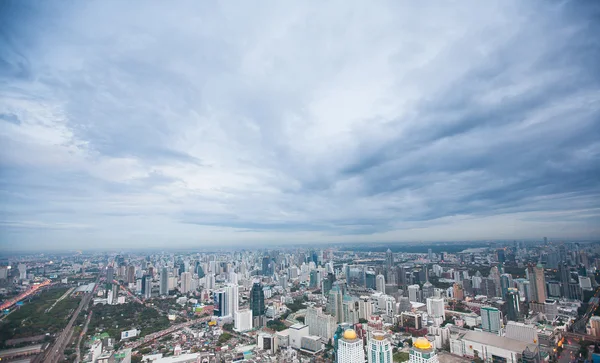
<point x="334" y="303"/>
<point x="458" y="292"/>
<point x="513" y="311"/>
<point x="422" y="351"/>
<point x="540" y="283"/>
<point x="505" y="283"/>
<point x="380" y="283"/>
<point x="232" y="298"/>
<point x="565" y="279"/>
<point x="379" y="349"/>
<point x="186" y="282"/>
<point x="428" y="290"/>
<point x="110" y="274"/>
<point x="319" y="323"/>
<point x="242" y="320"/>
<point x="257" y="304"/>
<point x="164" y="281"/>
<point x="414" y="293"/>
<point x="220" y="307"/>
<point x="501" y="255"/>
<point x="267" y="266"/>
<point x="436" y="310"/>
<point x="594" y="326"/>
<point x="429" y="254"/>
<point x="130" y="274"/>
<point x="491" y="319"/>
<point x="370" y="280"/>
<point x="389" y="259"/>
<point x="350" y="348"/>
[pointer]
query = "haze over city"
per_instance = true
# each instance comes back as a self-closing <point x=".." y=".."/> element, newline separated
<point x="205" y="123"/>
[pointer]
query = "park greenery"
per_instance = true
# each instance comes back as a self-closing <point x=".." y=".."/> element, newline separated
<point x="113" y="319"/>
<point x="276" y="325"/>
<point x="35" y="317"/>
<point x="400" y="356"/>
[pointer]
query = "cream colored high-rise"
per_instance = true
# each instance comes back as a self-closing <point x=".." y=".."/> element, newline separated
<point x="379" y="349"/>
<point x="350" y="348"/>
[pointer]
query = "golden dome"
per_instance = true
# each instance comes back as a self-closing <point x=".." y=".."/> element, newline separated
<point x="422" y="343"/>
<point x="378" y="335"/>
<point x="350" y="334"/>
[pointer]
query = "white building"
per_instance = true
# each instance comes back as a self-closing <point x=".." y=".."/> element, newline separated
<point x="594" y="326"/>
<point x="319" y="323"/>
<point x="380" y="283"/>
<point x="365" y="307"/>
<point x="413" y="293"/>
<point x="523" y="332"/>
<point x="297" y="331"/>
<point x="422" y="351"/>
<point x="490" y="319"/>
<point x="379" y="349"/>
<point x="436" y="310"/>
<point x="242" y="320"/>
<point x="186" y="282"/>
<point x="350" y="348"/>
<point x="489" y="347"/>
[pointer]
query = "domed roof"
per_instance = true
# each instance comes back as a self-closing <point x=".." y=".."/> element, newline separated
<point x="422" y="343"/>
<point x="350" y="334"/>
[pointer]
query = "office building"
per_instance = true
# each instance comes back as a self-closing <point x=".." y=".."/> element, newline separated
<point x="110" y="274"/>
<point x="164" y="281"/>
<point x="523" y="332"/>
<point x="422" y="351"/>
<point x="220" y="308"/>
<point x="186" y="282"/>
<point x="389" y="259"/>
<point x="257" y="304"/>
<point x="414" y="293"/>
<point x="513" y="311"/>
<point x="242" y="320"/>
<point x="350" y="348"/>
<point x="320" y="323"/>
<point x="594" y="326"/>
<point x="491" y="319"/>
<point x="379" y="349"/>
<point x="380" y="283"/>
<point x="436" y="311"/>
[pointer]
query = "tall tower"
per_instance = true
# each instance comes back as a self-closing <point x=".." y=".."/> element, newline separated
<point x="350" y="348"/>
<point x="257" y="304"/>
<point x="389" y="259"/>
<point x="422" y="351"/>
<point x="164" y="281"/>
<point x="540" y="283"/>
<point x="436" y="310"/>
<point x="513" y="312"/>
<point x="380" y="283"/>
<point x="379" y="349"/>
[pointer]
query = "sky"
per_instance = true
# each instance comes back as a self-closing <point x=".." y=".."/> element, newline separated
<point x="194" y="123"/>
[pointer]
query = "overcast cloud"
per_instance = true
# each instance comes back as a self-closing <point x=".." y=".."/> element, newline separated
<point x="130" y="123"/>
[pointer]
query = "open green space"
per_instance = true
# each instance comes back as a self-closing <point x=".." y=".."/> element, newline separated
<point x="32" y="318"/>
<point x="113" y="319"/>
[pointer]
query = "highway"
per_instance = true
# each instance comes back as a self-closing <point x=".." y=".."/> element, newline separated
<point x="32" y="290"/>
<point x="55" y="352"/>
<point x="81" y="335"/>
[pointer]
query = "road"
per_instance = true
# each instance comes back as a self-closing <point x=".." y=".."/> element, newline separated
<point x="32" y="290"/>
<point x="579" y="325"/>
<point x="55" y="352"/>
<point x="81" y="335"/>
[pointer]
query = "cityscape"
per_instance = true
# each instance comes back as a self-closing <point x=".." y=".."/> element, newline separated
<point x="390" y="181"/>
<point x="521" y="301"/>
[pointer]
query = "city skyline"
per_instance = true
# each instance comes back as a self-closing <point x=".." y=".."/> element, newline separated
<point x="130" y="126"/>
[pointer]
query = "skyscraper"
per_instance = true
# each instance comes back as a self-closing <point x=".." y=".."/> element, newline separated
<point x="513" y="311"/>
<point x="370" y="280"/>
<point x="110" y="274"/>
<point x="130" y="274"/>
<point x="565" y="279"/>
<point x="186" y="282"/>
<point x="257" y="305"/>
<point x="164" y="281"/>
<point x="389" y="259"/>
<point x="334" y="303"/>
<point x="380" y="283"/>
<point x="505" y="284"/>
<point x="540" y="283"/>
<point x="413" y="293"/>
<point x="490" y="319"/>
<point x="350" y="348"/>
<point x="436" y="310"/>
<point x="379" y="349"/>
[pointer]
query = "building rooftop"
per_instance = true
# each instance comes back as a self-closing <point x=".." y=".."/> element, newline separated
<point x="496" y="341"/>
